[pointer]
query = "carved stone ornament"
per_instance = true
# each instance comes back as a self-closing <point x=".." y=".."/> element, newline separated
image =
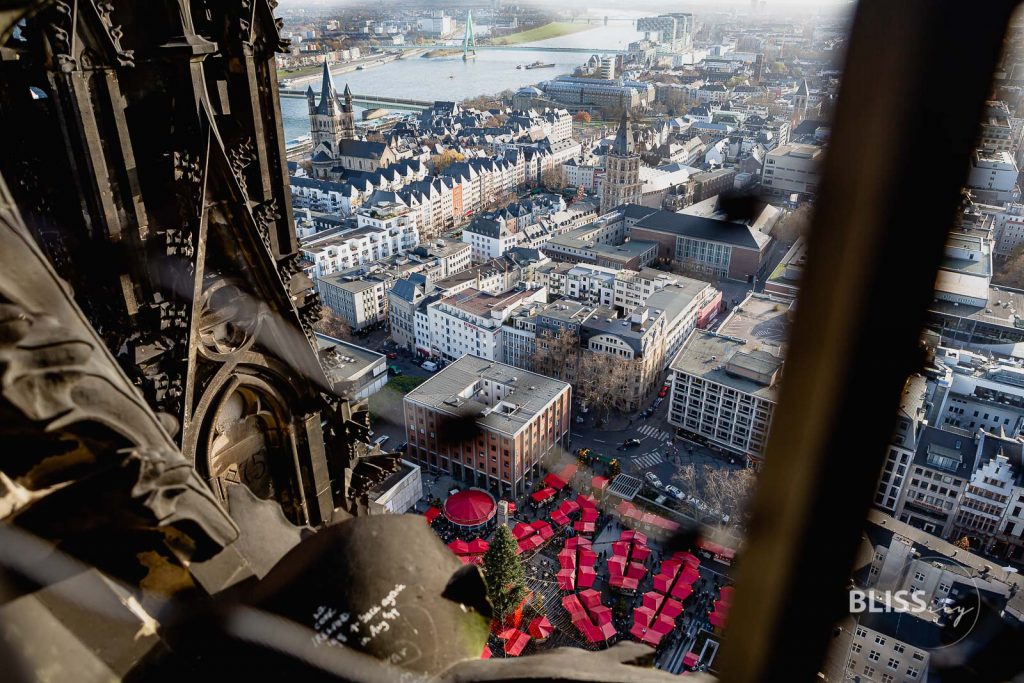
<point x="68" y="414"/>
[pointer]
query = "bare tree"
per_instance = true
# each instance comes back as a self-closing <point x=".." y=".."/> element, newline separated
<point x="556" y="354"/>
<point x="554" y="179"/>
<point x="604" y="381"/>
<point x="795" y="224"/>
<point x="686" y="477"/>
<point x="333" y="325"/>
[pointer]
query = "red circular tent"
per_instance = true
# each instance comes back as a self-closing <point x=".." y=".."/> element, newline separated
<point x="470" y="508"/>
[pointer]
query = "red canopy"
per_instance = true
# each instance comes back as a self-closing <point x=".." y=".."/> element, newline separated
<point x="459" y="547"/>
<point x="542" y="495"/>
<point x="690" y="659"/>
<point x="599" y="483"/>
<point x="514" y="645"/>
<point x="540" y="628"/>
<point x="544" y="529"/>
<point x="471" y="507"/>
<point x="559" y="518"/>
<point x="431" y="514"/>
<point x="486" y="654"/>
<point x="567" y="579"/>
<point x="522" y="530"/>
<point x="717" y="620"/>
<point x="716" y="549"/>
<point x="586" y="577"/>
<point x="478" y="546"/>
<point x="554" y="481"/>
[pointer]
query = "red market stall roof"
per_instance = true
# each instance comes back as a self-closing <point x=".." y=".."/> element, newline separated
<point x="716" y="549"/>
<point x="459" y="547"/>
<point x="690" y="659"/>
<point x="478" y="546"/>
<point x="567" y="579"/>
<point x="586" y="501"/>
<point x="559" y="518"/>
<point x="540" y="628"/>
<point x="725" y="595"/>
<point x="522" y="530"/>
<point x="543" y="529"/>
<point x="431" y="514"/>
<point x="515" y="644"/>
<point x="554" y="481"/>
<point x="542" y="495"/>
<point x="717" y="620"/>
<point x="599" y="483"/>
<point x="471" y="507"/>
<point x="486" y="654"/>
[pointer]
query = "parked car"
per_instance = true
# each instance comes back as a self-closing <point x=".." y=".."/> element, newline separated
<point x="392" y="355"/>
<point x="653" y="480"/>
<point x="647" y="412"/>
<point x="381" y="440"/>
<point x="674" y="492"/>
<point x="664" y="392"/>
<point x="657" y="402"/>
<point x="631" y="443"/>
<point x="429" y="366"/>
<point x="394" y="370"/>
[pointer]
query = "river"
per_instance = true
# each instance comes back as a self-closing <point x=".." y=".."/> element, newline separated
<point x="450" y="78"/>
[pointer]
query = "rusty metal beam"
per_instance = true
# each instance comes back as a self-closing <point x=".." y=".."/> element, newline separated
<point x="917" y="76"/>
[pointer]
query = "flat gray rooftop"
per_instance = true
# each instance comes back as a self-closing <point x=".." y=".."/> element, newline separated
<point x="759" y="323"/>
<point x="455" y="391"/>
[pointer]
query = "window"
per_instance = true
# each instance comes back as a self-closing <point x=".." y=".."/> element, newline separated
<point x="919" y="576"/>
<point x="912" y="672"/>
<point x="894" y="664"/>
<point x="887" y="678"/>
<point x="879" y="640"/>
<point x="869" y="671"/>
<point x="898" y="648"/>
<point x="874" y="655"/>
<point x="856" y="647"/>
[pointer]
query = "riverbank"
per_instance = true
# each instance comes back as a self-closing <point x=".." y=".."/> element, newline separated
<point x="442" y="52"/>
<point x="310" y="74"/>
<point x="555" y="29"/>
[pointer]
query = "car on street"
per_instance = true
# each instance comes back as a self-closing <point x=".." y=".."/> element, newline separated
<point x="381" y="440"/>
<point x="675" y="493"/>
<point x="657" y="402"/>
<point x="653" y="480"/>
<point x="392" y="355"/>
<point x="395" y="370"/>
<point x="630" y="443"/>
<point x="647" y="412"/>
<point x="664" y="391"/>
<point x="429" y="366"/>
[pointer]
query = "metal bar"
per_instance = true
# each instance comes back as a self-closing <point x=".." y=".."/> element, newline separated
<point x="898" y="158"/>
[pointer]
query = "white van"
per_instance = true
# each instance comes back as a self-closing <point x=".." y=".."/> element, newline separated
<point x="381" y="440"/>
<point x="429" y="366"/>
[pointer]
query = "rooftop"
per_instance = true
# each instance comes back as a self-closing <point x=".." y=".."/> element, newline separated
<point x="747" y="350"/>
<point x="459" y="391"/>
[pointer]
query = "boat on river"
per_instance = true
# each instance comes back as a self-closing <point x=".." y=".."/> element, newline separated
<point x="539" y="65"/>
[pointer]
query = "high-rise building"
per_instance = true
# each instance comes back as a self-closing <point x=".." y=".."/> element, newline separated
<point x="622" y="170"/>
<point x="331" y="120"/>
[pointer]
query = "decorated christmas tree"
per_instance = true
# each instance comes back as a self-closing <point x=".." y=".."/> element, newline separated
<point x="504" y="575"/>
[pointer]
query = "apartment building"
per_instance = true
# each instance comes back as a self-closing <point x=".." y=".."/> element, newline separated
<point x="725" y="384"/>
<point x="382" y="231"/>
<point x="520" y="419"/>
<point x="470" y="322"/>
<point x="992" y="177"/>
<point x="361" y="301"/>
<point x="936" y="478"/>
<point x="793" y="169"/>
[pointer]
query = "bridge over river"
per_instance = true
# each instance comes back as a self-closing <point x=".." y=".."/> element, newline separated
<point x="370" y="101"/>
